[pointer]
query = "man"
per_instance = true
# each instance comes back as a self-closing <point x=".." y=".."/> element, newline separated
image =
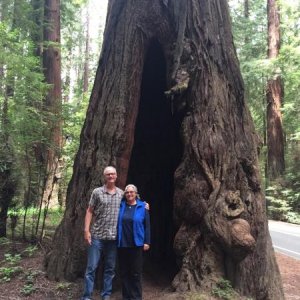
<point x="104" y="209"/>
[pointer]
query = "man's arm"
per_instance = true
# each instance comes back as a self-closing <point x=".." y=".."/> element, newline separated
<point x="87" y="223"/>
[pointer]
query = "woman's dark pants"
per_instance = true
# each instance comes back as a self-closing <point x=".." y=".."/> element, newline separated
<point x="131" y="266"/>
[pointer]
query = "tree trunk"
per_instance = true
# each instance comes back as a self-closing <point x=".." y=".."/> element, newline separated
<point x="37" y="31"/>
<point x="7" y="161"/>
<point x="275" y="135"/>
<point x="7" y="180"/>
<point x="52" y="71"/>
<point x="168" y="110"/>
<point x="87" y="54"/>
<point x="246" y="9"/>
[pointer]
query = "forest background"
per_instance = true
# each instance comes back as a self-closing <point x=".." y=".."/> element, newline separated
<point x="49" y="51"/>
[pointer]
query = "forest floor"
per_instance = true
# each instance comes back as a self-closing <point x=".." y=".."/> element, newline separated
<point x="22" y="277"/>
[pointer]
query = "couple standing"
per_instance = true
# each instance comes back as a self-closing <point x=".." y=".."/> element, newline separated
<point x="121" y="225"/>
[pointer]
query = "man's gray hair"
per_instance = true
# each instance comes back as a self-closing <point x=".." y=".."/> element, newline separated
<point x="109" y="167"/>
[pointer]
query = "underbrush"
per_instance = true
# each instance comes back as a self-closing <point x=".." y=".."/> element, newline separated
<point x="22" y="275"/>
<point x="283" y="204"/>
<point x="33" y="224"/>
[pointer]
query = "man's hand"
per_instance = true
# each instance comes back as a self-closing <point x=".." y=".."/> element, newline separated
<point x="88" y="237"/>
<point x="87" y="222"/>
<point x="147" y="206"/>
<point x="146" y="247"/>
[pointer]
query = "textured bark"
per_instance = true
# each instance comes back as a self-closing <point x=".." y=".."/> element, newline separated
<point x="87" y="54"/>
<point x="7" y="161"/>
<point x="52" y="72"/>
<point x="275" y="135"/>
<point x="7" y="180"/>
<point x="168" y="110"/>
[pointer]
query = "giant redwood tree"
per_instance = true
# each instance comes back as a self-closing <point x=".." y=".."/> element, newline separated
<point x="275" y="133"/>
<point x="168" y="110"/>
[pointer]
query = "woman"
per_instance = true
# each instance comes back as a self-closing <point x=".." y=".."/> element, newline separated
<point x="133" y="239"/>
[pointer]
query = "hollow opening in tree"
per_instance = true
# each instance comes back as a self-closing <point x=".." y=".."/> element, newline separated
<point x="156" y="153"/>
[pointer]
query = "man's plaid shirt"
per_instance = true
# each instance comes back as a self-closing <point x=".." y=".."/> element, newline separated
<point x="106" y="210"/>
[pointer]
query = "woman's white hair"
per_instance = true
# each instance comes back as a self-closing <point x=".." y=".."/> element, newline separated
<point x="131" y="186"/>
<point x="134" y="188"/>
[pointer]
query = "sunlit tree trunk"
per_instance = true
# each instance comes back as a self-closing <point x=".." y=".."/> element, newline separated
<point x="275" y="135"/>
<point x="67" y="81"/>
<point x="168" y="110"/>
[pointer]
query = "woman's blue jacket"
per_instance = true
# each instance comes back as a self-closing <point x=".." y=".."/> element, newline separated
<point x="141" y="224"/>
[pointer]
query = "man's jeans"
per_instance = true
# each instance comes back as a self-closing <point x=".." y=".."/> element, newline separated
<point x="96" y="249"/>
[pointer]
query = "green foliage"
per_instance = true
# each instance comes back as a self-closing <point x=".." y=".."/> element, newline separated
<point x="4" y="241"/>
<point x="12" y="259"/>
<point x="289" y="61"/>
<point x="53" y="213"/>
<point x="30" y="250"/>
<point x="223" y="290"/>
<point x="7" y="273"/>
<point x="63" y="286"/>
<point x="9" y="269"/>
<point x="250" y="37"/>
<point x="25" y="126"/>
<point x="28" y="287"/>
<point x="74" y="116"/>
<point x="53" y="218"/>
<point x="280" y="201"/>
<point x="293" y="217"/>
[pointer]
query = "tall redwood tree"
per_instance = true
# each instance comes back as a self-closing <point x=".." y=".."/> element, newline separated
<point x="53" y="101"/>
<point x="168" y="110"/>
<point x="275" y="135"/>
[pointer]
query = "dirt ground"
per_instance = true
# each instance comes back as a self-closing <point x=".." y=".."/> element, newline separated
<point x="29" y="281"/>
<point x="290" y="274"/>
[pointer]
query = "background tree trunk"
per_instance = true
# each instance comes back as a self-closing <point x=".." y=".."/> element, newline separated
<point x="275" y="135"/>
<point x="167" y="109"/>
<point x="7" y="162"/>
<point x="86" y="72"/>
<point x="37" y="31"/>
<point x="52" y="71"/>
<point x="7" y="178"/>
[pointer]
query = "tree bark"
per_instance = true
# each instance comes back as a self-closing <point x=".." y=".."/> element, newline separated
<point x="275" y="135"/>
<point x="52" y="72"/>
<point x="7" y="178"/>
<point x="168" y="110"/>
<point x="87" y="54"/>
<point x="7" y="161"/>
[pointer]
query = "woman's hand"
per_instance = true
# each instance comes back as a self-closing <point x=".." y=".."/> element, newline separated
<point x="146" y="247"/>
